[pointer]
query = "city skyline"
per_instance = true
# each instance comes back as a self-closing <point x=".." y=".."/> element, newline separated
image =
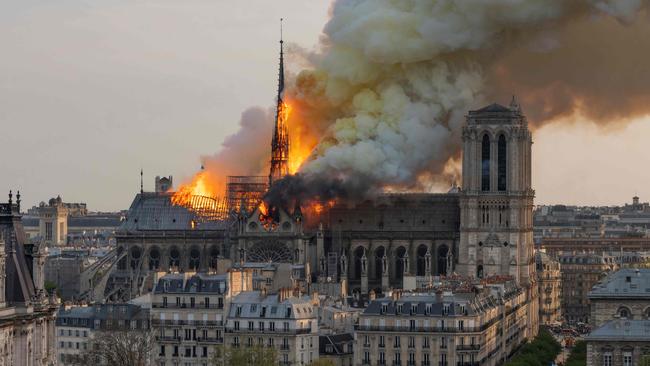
<point x="123" y="86"/>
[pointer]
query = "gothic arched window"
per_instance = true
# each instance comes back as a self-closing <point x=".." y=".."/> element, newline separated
<point x="379" y="255"/>
<point x="502" y="163"/>
<point x="485" y="163"/>
<point x="421" y="266"/>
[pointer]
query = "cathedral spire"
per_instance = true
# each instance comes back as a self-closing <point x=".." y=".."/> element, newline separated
<point x="280" y="142"/>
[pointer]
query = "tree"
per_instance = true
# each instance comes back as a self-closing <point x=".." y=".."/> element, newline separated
<point x="540" y="352"/>
<point x="578" y="356"/>
<point x="118" y="348"/>
<point x="245" y="356"/>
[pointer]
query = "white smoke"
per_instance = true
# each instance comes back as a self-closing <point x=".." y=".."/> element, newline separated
<point x="396" y="78"/>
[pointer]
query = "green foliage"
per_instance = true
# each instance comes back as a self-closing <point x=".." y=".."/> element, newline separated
<point x="645" y="360"/>
<point x="49" y="286"/>
<point x="245" y="356"/>
<point x="540" y="352"/>
<point x="578" y="356"/>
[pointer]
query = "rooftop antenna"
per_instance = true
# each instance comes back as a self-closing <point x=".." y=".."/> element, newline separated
<point x="141" y="181"/>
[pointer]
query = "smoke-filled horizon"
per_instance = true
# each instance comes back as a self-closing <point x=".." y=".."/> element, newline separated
<point x="108" y="88"/>
<point x="385" y="97"/>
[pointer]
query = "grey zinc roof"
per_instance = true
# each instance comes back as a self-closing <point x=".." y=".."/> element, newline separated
<point x="103" y="312"/>
<point x="622" y="330"/>
<point x="251" y="304"/>
<point x="199" y="283"/>
<point x="624" y="283"/>
<point x="155" y="211"/>
<point x="421" y="303"/>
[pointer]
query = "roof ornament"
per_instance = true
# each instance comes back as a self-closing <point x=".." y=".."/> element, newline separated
<point x="11" y="196"/>
<point x="18" y="200"/>
<point x="141" y="181"/>
<point x="514" y="105"/>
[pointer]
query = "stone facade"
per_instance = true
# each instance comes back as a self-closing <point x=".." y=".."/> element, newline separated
<point x="619" y="343"/>
<point x="53" y="222"/>
<point x="337" y="349"/>
<point x="358" y="248"/>
<point x="621" y="295"/>
<point x="27" y="315"/>
<point x="188" y="315"/>
<point x="550" y="289"/>
<point x="284" y="321"/>
<point x="580" y="272"/>
<point x="77" y="326"/>
<point x="477" y="324"/>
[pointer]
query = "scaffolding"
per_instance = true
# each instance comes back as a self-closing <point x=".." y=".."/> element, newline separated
<point x="245" y="189"/>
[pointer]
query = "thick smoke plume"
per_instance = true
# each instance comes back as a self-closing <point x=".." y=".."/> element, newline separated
<point x="243" y="153"/>
<point x="385" y="100"/>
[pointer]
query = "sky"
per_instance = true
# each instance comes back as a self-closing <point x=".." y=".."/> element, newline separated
<point x="93" y="91"/>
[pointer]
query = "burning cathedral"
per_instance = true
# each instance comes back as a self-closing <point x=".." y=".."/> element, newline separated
<point x="479" y="230"/>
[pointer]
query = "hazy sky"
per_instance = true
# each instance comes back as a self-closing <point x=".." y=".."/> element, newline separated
<point x="90" y="91"/>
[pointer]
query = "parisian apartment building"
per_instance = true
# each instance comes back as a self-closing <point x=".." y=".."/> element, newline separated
<point x="285" y="321"/>
<point x="451" y="324"/>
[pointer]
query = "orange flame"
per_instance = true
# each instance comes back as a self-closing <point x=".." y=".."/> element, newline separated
<point x="266" y="218"/>
<point x="200" y="185"/>
<point x="302" y="141"/>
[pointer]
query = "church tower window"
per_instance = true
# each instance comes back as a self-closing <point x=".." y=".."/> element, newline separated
<point x="485" y="163"/>
<point x="502" y="163"/>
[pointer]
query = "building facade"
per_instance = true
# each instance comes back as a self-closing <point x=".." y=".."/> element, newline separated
<point x="27" y="313"/>
<point x="623" y="294"/>
<point x="392" y="241"/>
<point x="286" y="322"/>
<point x="455" y="323"/>
<point x="77" y="326"/>
<point x="619" y="342"/>
<point x="580" y="272"/>
<point x="188" y="314"/>
<point x="549" y="277"/>
<point x="337" y="348"/>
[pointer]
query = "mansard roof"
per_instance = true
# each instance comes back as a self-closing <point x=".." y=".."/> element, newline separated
<point x="197" y="283"/>
<point x="624" y="283"/>
<point x="622" y="330"/>
<point x="254" y="304"/>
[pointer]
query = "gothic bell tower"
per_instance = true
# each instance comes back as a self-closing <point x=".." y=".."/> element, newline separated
<point x="497" y="199"/>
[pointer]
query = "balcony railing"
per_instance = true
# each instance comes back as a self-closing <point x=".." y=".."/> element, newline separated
<point x="196" y="323"/>
<point x="268" y="331"/>
<point x="160" y="305"/>
<point x="429" y="329"/>
<point x="468" y="347"/>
